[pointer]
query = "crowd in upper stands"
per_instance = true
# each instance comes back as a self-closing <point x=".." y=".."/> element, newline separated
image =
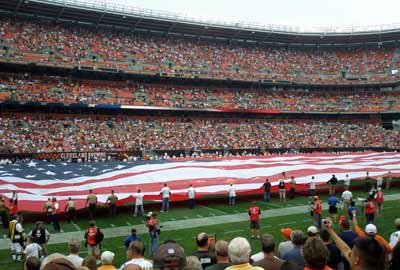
<point x="55" y="43"/>
<point x="39" y="133"/>
<point x="23" y="88"/>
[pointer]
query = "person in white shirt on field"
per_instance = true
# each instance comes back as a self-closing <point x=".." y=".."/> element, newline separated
<point x="347" y="180"/>
<point x="232" y="194"/>
<point x="312" y="186"/>
<point x="165" y="192"/>
<point x="139" y="203"/>
<point x="347" y="197"/>
<point x="191" y="195"/>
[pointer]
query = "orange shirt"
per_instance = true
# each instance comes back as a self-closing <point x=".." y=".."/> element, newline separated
<point x="378" y="238"/>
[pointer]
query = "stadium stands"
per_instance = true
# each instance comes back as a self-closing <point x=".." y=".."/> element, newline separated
<point x="25" y="88"/>
<point x="57" y="44"/>
<point x="57" y="133"/>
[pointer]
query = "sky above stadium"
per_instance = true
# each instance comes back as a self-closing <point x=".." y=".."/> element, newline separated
<point x="305" y="13"/>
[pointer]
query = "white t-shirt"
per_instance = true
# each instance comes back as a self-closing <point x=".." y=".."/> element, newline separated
<point x="347" y="195"/>
<point x="232" y="191"/>
<point x="394" y="239"/>
<point x="144" y="264"/>
<point x="312" y="184"/>
<point x="191" y="193"/>
<point x="347" y="181"/>
<point x="165" y="192"/>
<point x="33" y="250"/>
<point x="139" y="198"/>
<point x="75" y="259"/>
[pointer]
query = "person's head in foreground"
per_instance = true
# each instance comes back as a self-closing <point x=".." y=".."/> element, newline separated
<point x="107" y="258"/>
<point x="367" y="254"/>
<point x="239" y="250"/>
<point x="169" y="256"/>
<point x="315" y="253"/>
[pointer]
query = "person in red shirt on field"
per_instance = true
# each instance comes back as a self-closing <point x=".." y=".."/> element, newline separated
<point x="379" y="201"/>
<point x="254" y="213"/>
<point x="369" y="208"/>
<point x="92" y="240"/>
<point x="316" y="207"/>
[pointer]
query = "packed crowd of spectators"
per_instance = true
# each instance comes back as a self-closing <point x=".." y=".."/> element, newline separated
<point x="55" y="43"/>
<point x="23" y="87"/>
<point x="319" y="248"/>
<point x="39" y="133"/>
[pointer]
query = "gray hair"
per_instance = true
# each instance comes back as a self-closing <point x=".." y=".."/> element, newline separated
<point x="74" y="246"/>
<point x="239" y="250"/>
<point x="193" y="263"/>
<point x="297" y="237"/>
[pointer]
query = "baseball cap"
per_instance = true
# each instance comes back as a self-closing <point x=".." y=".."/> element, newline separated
<point x="341" y="218"/>
<point x="370" y="229"/>
<point x="286" y="232"/>
<point x="312" y="230"/>
<point x="107" y="256"/>
<point x="169" y="255"/>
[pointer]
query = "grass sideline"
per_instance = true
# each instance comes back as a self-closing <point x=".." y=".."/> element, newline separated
<point x="228" y="231"/>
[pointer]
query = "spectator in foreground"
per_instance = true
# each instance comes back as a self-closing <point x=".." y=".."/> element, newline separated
<point x="312" y="231"/>
<point x="169" y="256"/>
<point x="206" y="257"/>
<point x="32" y="263"/>
<point x="395" y="236"/>
<point x="239" y="253"/>
<point x="315" y="254"/>
<point x="295" y="256"/>
<point x="371" y="231"/>
<point x="270" y="261"/>
<point x="57" y="261"/>
<point x="221" y="253"/>
<point x="90" y="262"/>
<point x="394" y="264"/>
<point x="287" y="244"/>
<point x="74" y="247"/>
<point x="193" y="263"/>
<point x="347" y="235"/>
<point x="136" y="256"/>
<point x="335" y="257"/>
<point x="107" y="259"/>
<point x="360" y="255"/>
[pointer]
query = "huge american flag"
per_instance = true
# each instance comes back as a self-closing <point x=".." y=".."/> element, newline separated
<point x="35" y="181"/>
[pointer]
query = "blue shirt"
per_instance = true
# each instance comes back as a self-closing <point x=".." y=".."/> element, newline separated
<point x="130" y="239"/>
<point x="295" y="257"/>
<point x="333" y="200"/>
<point x="351" y="210"/>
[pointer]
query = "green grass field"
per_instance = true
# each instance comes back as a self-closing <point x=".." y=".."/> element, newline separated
<point x="185" y="237"/>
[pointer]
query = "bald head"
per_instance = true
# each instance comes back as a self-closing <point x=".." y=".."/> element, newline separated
<point x="202" y="239"/>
